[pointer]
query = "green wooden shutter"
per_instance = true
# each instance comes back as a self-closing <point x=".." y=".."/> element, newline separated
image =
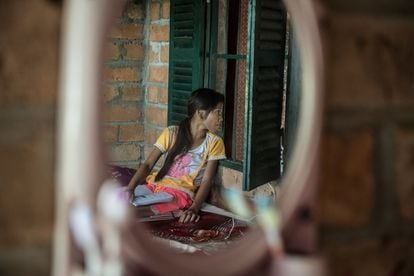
<point x="267" y="35"/>
<point x="185" y="68"/>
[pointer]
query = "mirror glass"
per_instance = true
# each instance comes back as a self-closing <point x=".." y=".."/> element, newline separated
<point x="157" y="53"/>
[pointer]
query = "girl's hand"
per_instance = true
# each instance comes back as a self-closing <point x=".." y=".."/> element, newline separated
<point x="189" y="215"/>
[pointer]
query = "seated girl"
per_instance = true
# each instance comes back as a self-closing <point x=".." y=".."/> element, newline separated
<point x="192" y="152"/>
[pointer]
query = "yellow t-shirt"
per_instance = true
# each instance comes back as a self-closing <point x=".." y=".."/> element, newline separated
<point x="187" y="171"/>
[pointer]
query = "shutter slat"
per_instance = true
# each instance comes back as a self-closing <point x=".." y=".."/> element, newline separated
<point x="271" y="4"/>
<point x="182" y="86"/>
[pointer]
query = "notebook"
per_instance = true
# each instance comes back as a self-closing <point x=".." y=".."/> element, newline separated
<point x="152" y="199"/>
<point x="144" y="196"/>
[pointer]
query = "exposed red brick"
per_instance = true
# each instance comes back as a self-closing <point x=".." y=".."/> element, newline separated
<point x="158" y="74"/>
<point x="154" y="54"/>
<point x="110" y="93"/>
<point x="122" y="74"/>
<point x="165" y="54"/>
<point x="133" y="31"/>
<point x="110" y="133"/>
<point x="111" y="51"/>
<point x="151" y="134"/>
<point x="152" y="94"/>
<point x="155" y="11"/>
<point x="124" y="152"/>
<point x="165" y="9"/>
<point x="122" y="113"/>
<point x="135" y="11"/>
<point x="156" y="116"/>
<point x="134" y="51"/>
<point x="163" y="95"/>
<point x="160" y="33"/>
<point x="132" y="94"/>
<point x="130" y="133"/>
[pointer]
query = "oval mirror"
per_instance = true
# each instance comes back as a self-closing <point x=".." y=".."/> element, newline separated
<point x="267" y="63"/>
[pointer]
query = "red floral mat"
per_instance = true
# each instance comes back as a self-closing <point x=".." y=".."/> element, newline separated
<point x="210" y="233"/>
<point x="210" y="227"/>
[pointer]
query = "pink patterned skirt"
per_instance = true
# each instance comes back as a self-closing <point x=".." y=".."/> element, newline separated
<point x="181" y="200"/>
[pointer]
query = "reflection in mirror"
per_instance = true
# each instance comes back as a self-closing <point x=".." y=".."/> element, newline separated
<point x="153" y="62"/>
<point x="139" y="73"/>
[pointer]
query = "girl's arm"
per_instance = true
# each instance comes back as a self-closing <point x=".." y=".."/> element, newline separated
<point x="191" y="214"/>
<point x="144" y="170"/>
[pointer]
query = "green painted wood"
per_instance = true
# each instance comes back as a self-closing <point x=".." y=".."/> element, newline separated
<point x="186" y="55"/>
<point x="226" y="56"/>
<point x="232" y="165"/>
<point x="264" y="94"/>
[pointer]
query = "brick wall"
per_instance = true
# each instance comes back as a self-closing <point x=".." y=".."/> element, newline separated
<point x="135" y="88"/>
<point x="123" y="90"/>
<point x="156" y="84"/>
<point x="367" y="190"/>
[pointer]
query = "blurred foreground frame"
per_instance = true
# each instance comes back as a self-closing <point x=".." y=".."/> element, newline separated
<point x="80" y="141"/>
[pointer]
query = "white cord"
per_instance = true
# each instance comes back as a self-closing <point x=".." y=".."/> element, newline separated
<point x="274" y="191"/>
<point x="253" y="218"/>
<point x="231" y="230"/>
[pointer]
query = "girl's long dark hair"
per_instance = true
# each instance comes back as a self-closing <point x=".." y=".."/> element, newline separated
<point x="201" y="99"/>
